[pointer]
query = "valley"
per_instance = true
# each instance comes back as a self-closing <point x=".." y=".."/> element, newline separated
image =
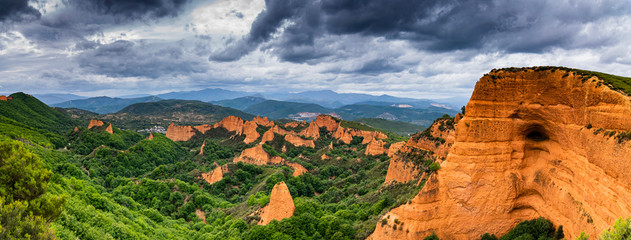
<point x="537" y="153"/>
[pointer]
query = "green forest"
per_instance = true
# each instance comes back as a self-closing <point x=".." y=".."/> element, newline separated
<point x="61" y="180"/>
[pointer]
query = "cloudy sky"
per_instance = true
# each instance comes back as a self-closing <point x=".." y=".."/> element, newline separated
<point x="407" y="48"/>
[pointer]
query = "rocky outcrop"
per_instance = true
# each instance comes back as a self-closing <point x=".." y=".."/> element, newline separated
<point x="263" y="121"/>
<point x="531" y="144"/>
<point x="258" y="156"/>
<point x="215" y="175"/>
<point x="438" y="138"/>
<point x="95" y="123"/>
<point x="299" y="141"/>
<point x="5" y="98"/>
<point x="376" y="147"/>
<point x="281" y="205"/>
<point x="249" y="130"/>
<point x="298" y="169"/>
<point x="330" y="123"/>
<point x="109" y="129"/>
<point x="394" y="148"/>
<point x="346" y="135"/>
<point x="312" y="131"/>
<point x="180" y="133"/>
<point x="201" y="149"/>
<point x="232" y="124"/>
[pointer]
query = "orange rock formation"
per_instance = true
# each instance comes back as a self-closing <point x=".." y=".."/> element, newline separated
<point x="312" y="131"/>
<point x="299" y="141"/>
<point x="215" y="175"/>
<point x="281" y="205"/>
<point x="5" y="98"/>
<point x="180" y="133"/>
<point x="109" y="129"/>
<point x="258" y="156"/>
<point x="201" y="149"/>
<point x="394" y="148"/>
<point x="376" y="147"/>
<point x="232" y="124"/>
<point x="523" y="151"/>
<point x="327" y="121"/>
<point x="263" y="121"/>
<point x="95" y="123"/>
<point x="298" y="169"/>
<point x="249" y="130"/>
<point x="346" y="135"/>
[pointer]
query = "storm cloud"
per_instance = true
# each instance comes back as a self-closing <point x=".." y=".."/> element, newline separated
<point x="292" y="28"/>
<point x="407" y="48"/>
<point x="17" y="10"/>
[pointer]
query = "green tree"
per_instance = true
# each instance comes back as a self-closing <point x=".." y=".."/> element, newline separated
<point x="559" y="233"/>
<point x="621" y="230"/>
<point x="25" y="209"/>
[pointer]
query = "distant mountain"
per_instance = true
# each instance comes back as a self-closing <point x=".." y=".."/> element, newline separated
<point x="206" y="95"/>
<point x="104" y="105"/>
<point x="331" y="99"/>
<point x="280" y="109"/>
<point x="401" y="128"/>
<point x="416" y="116"/>
<point x="183" y="112"/>
<point x="53" y="98"/>
<point x="240" y="103"/>
<point x="417" y="104"/>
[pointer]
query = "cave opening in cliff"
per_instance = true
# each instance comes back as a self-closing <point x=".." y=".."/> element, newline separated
<point x="536" y="134"/>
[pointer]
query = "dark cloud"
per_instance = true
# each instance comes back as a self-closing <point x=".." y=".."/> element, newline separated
<point x="131" y="9"/>
<point x="17" y="10"/>
<point x="291" y="28"/>
<point x="131" y="59"/>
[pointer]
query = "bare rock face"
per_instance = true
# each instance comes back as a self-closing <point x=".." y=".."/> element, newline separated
<point x="201" y="149"/>
<point x="249" y="130"/>
<point x="394" y="148"/>
<point x="232" y="124"/>
<point x="438" y="138"/>
<point x="401" y="170"/>
<point x="281" y="205"/>
<point x="298" y="169"/>
<point x="258" y="156"/>
<point x="312" y="131"/>
<point x="263" y="121"/>
<point x="109" y="129"/>
<point x="299" y="141"/>
<point x="376" y="147"/>
<point x="215" y="175"/>
<point x="180" y="133"/>
<point x="346" y="135"/>
<point x="203" y="128"/>
<point x="526" y="148"/>
<point x="95" y="123"/>
<point x="327" y="121"/>
<point x="5" y="98"/>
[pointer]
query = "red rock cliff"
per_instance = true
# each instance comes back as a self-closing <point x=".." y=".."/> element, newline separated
<point x="180" y="133"/>
<point x="281" y="205"/>
<point x="95" y="123"/>
<point x="524" y="149"/>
